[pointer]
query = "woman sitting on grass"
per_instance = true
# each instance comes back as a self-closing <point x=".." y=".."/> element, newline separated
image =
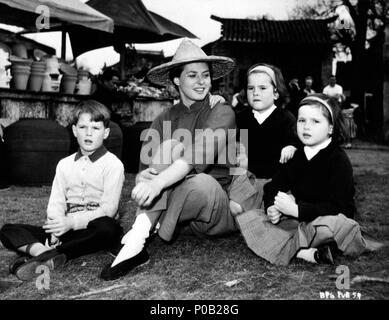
<point x="192" y="187"/>
<point x="310" y="201"/>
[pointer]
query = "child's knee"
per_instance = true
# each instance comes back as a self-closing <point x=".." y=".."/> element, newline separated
<point x="6" y="227"/>
<point x="106" y="228"/>
<point x="323" y="234"/>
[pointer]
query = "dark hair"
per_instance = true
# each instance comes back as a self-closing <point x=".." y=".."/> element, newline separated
<point x="176" y="71"/>
<point x="97" y="111"/>
<point x="339" y="131"/>
<point x="280" y="85"/>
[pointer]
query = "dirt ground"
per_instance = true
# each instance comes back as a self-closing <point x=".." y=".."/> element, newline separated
<point x="191" y="268"/>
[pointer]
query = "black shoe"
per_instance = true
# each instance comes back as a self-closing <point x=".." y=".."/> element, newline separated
<point x="16" y="263"/>
<point x="323" y="255"/>
<point x="51" y="258"/>
<point x="124" y="267"/>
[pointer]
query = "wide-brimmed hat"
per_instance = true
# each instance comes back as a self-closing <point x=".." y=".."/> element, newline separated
<point x="188" y="52"/>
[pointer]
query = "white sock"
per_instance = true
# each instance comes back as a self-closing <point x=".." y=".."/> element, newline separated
<point x="307" y="255"/>
<point x="134" y="239"/>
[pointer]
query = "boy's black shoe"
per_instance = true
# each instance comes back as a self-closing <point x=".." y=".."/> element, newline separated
<point x="323" y="255"/>
<point x="124" y="267"/>
<point x="17" y="262"/>
<point x="51" y="258"/>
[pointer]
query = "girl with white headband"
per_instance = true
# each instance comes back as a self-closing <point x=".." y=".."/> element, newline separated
<point x="272" y="138"/>
<point x="309" y="204"/>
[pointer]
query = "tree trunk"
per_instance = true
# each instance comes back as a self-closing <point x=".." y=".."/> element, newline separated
<point x="358" y="59"/>
<point x="386" y="86"/>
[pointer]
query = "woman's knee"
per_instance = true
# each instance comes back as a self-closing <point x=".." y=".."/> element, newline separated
<point x="201" y="188"/>
<point x="203" y="184"/>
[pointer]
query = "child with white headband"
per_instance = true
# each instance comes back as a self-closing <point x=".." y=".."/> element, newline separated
<point x="309" y="204"/>
<point x="272" y="138"/>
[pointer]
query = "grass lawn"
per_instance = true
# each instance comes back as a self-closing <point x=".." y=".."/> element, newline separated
<point x="191" y="268"/>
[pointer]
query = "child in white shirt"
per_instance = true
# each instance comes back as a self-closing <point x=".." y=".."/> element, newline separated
<point x="83" y="202"/>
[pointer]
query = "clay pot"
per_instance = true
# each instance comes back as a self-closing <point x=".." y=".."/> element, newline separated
<point x="35" y="81"/>
<point x="20" y="79"/>
<point x="39" y="66"/>
<point x="19" y="50"/>
<point x="68" y="84"/>
<point x="46" y="83"/>
<point x="17" y="67"/>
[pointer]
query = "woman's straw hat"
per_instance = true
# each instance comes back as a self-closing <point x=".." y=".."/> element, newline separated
<point x="186" y="53"/>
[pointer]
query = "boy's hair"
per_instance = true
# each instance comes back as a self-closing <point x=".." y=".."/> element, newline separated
<point x="339" y="132"/>
<point x="280" y="86"/>
<point x="97" y="111"/>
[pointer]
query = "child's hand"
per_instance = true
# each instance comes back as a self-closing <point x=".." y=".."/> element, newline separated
<point x="145" y="192"/>
<point x="273" y="214"/>
<point x="235" y="208"/>
<point x="287" y="153"/>
<point x="146" y="175"/>
<point x="286" y="204"/>
<point x="215" y="99"/>
<point x="59" y="225"/>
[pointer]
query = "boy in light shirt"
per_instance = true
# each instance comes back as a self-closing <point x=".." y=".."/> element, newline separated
<point x="83" y="202"/>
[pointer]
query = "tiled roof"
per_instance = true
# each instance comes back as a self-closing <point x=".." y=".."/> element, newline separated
<point x="305" y="31"/>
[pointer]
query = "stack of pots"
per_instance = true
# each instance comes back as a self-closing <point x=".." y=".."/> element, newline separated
<point x="38" y="69"/>
<point x="20" y="71"/>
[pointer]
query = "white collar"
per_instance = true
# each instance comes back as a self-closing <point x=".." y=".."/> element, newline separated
<point x="262" y="116"/>
<point x="310" y="152"/>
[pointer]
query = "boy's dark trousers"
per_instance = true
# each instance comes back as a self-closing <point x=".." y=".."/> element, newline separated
<point x="101" y="234"/>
